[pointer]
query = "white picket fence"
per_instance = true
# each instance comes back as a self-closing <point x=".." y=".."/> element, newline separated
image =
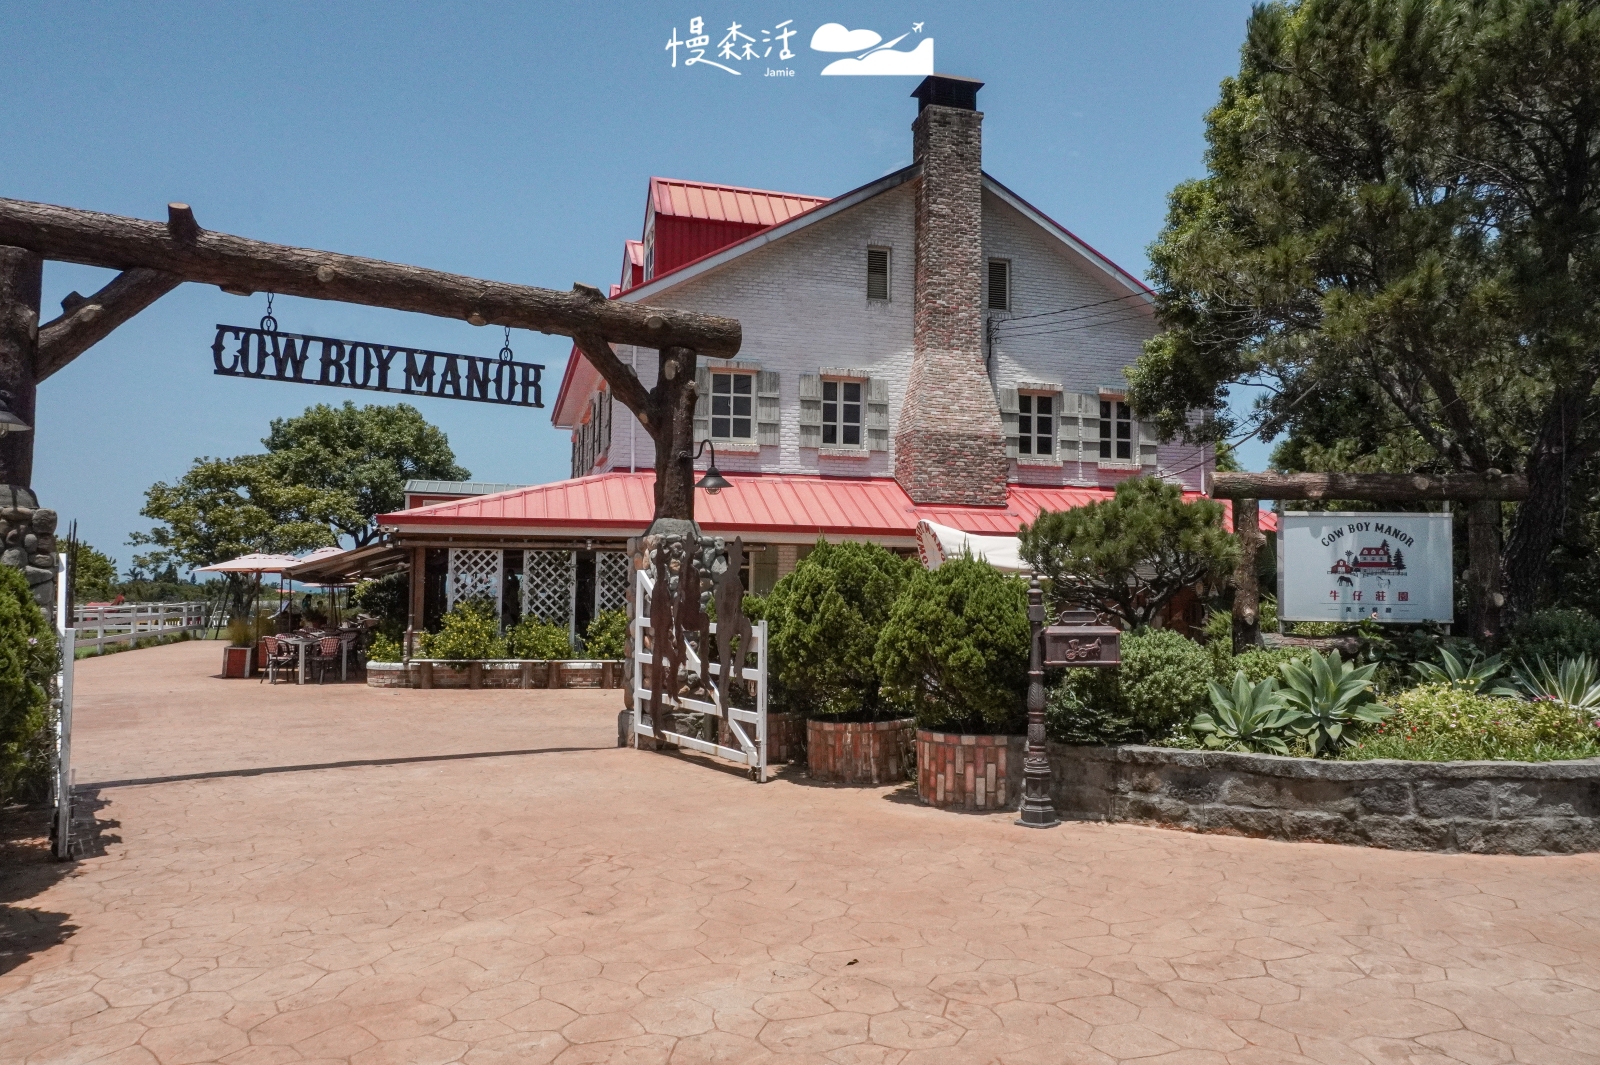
<point x="97" y="625"/>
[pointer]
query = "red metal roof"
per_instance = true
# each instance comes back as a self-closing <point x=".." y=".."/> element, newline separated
<point x="624" y="503"/>
<point x="727" y="203"/>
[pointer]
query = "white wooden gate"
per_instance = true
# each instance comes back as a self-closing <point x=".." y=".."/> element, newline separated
<point x="752" y="750"/>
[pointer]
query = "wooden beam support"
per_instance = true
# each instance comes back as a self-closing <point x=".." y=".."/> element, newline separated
<point x="1373" y="487"/>
<point x="1246" y="582"/>
<point x="239" y="264"/>
<point x="1484" y="597"/>
<point x="21" y="278"/>
<point x="89" y="321"/>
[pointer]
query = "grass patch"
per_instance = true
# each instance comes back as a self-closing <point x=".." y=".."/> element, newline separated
<point x="136" y="645"/>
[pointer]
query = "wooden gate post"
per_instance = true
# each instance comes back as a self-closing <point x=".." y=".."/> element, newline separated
<point x="21" y="278"/>
<point x="416" y="589"/>
<point x="1246" y="585"/>
<point x="1484" y="598"/>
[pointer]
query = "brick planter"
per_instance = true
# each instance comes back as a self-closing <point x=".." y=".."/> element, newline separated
<point x="495" y="673"/>
<point x="1482" y="807"/>
<point x="957" y="772"/>
<point x="786" y="738"/>
<point x="865" y="752"/>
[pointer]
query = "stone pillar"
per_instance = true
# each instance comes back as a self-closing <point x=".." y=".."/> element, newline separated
<point x="28" y="536"/>
<point x="949" y="443"/>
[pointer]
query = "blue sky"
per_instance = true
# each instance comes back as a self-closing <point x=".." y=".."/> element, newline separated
<point x="513" y="142"/>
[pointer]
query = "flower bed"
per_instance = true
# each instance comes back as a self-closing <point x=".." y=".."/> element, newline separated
<point x="1481" y="807"/>
<point x="495" y="673"/>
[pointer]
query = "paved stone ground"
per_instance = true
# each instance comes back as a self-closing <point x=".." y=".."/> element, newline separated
<point x="492" y="881"/>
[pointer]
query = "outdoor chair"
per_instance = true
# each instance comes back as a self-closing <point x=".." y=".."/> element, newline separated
<point x="324" y="655"/>
<point x="280" y="654"/>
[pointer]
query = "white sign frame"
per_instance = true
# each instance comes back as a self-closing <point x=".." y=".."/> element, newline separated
<point x="1328" y="571"/>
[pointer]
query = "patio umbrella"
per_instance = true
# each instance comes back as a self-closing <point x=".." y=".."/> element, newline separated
<point x="257" y="563"/>
<point x="330" y="584"/>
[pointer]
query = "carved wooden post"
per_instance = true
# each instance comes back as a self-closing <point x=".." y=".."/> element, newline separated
<point x="21" y="276"/>
<point x="1484" y="598"/>
<point x="1246" y="585"/>
<point x="674" y="399"/>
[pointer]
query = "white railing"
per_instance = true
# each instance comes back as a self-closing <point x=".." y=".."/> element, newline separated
<point x="752" y="750"/>
<point x="98" y="625"/>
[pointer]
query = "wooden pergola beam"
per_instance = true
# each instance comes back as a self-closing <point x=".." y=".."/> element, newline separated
<point x="89" y="321"/>
<point x="240" y="265"/>
<point x="1372" y="487"/>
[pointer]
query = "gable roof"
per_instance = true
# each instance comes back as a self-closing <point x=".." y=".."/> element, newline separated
<point x="676" y="198"/>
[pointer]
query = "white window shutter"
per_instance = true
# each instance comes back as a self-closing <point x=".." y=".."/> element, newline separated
<point x="810" y="410"/>
<point x="767" y="418"/>
<point x="877" y="414"/>
<point x="1149" y="445"/>
<point x="1069" y="428"/>
<point x="702" y="404"/>
<point x="1008" y="419"/>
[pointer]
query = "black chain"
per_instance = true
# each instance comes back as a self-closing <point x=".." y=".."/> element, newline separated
<point x="505" y="350"/>
<point x="269" y="324"/>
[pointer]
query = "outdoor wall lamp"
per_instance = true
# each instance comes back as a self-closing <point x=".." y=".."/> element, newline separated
<point x="9" y="422"/>
<point x="713" y="482"/>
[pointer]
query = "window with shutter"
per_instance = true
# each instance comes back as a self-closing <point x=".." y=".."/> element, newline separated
<point x="1116" y="431"/>
<point x="877" y="273"/>
<point x="1036" y="424"/>
<point x="733" y="406"/>
<point x="999" y="284"/>
<point x="842" y="410"/>
<point x="1009" y="420"/>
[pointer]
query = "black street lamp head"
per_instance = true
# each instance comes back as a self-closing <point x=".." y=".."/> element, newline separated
<point x="713" y="482"/>
<point x="9" y="422"/>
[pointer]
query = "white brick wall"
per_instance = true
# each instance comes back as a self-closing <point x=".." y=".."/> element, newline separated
<point x="802" y="303"/>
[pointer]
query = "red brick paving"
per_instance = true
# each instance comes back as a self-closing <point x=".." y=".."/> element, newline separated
<point x="602" y="905"/>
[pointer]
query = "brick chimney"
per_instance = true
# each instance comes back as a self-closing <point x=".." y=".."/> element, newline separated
<point x="949" y="445"/>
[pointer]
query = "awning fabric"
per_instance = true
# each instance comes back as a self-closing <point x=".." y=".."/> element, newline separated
<point x="937" y="544"/>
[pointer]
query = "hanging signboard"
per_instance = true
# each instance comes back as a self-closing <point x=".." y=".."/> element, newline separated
<point x="266" y="354"/>
<point x="1335" y="566"/>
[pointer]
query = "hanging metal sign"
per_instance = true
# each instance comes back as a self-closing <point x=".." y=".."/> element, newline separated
<point x="270" y="355"/>
<point x="1354" y="566"/>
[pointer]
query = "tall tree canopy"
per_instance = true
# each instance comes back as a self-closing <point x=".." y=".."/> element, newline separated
<point x="326" y="473"/>
<point x="1399" y="236"/>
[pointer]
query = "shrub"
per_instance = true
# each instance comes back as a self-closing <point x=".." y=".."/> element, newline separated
<point x="1441" y="723"/>
<point x="955" y="648"/>
<point x="27" y="661"/>
<point x="1333" y="698"/>
<point x="469" y="631"/>
<point x="1555" y="634"/>
<point x="1163" y="679"/>
<point x="384" y="648"/>
<point x="1259" y="664"/>
<point x="384" y="599"/>
<point x="1130" y="554"/>
<point x="1084" y="709"/>
<point x="607" y="635"/>
<point x="533" y="637"/>
<point x="824" y="620"/>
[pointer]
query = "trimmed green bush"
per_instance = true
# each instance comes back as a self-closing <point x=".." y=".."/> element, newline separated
<point x="1084" y="710"/>
<point x="469" y="631"/>
<point x="1555" y="634"/>
<point x="1163" y="680"/>
<point x="1261" y="663"/>
<point x="536" y="638"/>
<point x="384" y="649"/>
<point x="1440" y="723"/>
<point x="27" y="661"/>
<point x="824" y="620"/>
<point x="607" y="635"/>
<point x="955" y="648"/>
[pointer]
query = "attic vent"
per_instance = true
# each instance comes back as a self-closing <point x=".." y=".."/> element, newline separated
<point x="999" y="285"/>
<point x="877" y="273"/>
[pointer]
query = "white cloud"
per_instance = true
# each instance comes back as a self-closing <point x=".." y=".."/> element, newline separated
<point x="832" y="37"/>
<point x="887" y="61"/>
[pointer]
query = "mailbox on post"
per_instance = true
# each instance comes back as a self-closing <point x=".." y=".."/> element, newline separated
<point x="1082" y="639"/>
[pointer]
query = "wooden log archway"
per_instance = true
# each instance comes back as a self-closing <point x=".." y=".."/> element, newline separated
<point x="1483" y="494"/>
<point x="155" y="258"/>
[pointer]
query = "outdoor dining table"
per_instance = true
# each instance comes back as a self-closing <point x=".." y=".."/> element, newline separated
<point x="304" y="641"/>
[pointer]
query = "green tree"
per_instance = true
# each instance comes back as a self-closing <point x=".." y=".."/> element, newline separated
<point x="1130" y="554"/>
<point x="361" y="456"/>
<point x="825" y="618"/>
<point x="1399" y="236"/>
<point x="954" y="649"/>
<point x="27" y="659"/>
<point x="94" y="575"/>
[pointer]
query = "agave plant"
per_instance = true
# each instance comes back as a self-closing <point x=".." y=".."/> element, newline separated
<point x="1574" y="682"/>
<point x="1247" y="717"/>
<point x="1472" y="674"/>
<point x="1329" y="695"/>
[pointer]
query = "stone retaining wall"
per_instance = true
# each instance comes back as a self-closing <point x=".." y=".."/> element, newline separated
<point x="1481" y="807"/>
<point x="956" y="772"/>
<point x="494" y="673"/>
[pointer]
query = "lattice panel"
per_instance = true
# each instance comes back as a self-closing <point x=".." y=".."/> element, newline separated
<point x="611" y="570"/>
<point x="474" y="574"/>
<point x="548" y="581"/>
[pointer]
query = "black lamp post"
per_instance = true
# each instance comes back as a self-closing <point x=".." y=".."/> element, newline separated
<point x="713" y="482"/>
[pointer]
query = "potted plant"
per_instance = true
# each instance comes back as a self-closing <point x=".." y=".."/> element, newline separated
<point x="239" y="656"/>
